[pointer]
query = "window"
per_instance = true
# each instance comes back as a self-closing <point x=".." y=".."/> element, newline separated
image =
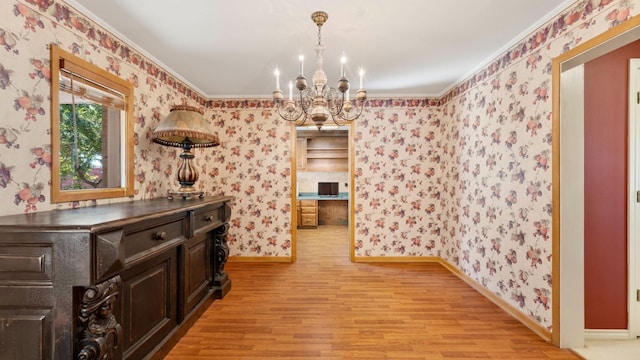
<point x="92" y="131"/>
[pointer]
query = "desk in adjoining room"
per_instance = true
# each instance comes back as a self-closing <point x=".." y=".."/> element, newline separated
<point x="332" y="210"/>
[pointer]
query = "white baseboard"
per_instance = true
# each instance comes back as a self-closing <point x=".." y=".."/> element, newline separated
<point x="590" y="334"/>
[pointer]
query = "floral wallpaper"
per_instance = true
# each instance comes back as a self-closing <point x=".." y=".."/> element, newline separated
<point x="26" y="30"/>
<point x="496" y="161"/>
<point x="254" y="165"/>
<point x="465" y="177"/>
<point x="398" y="179"/>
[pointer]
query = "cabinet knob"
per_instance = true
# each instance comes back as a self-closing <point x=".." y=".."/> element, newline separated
<point x="160" y="235"/>
<point x="209" y="218"/>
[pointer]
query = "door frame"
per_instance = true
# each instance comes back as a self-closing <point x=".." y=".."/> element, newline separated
<point x="633" y="237"/>
<point x="568" y="274"/>
<point x="294" y="190"/>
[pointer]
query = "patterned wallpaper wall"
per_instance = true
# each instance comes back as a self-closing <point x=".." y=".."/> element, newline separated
<point x="466" y="177"/>
<point x="497" y="150"/>
<point x="26" y="30"/>
<point x="498" y="133"/>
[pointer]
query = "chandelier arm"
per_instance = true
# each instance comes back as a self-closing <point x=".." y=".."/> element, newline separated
<point x="301" y="121"/>
<point x="335" y="110"/>
<point x="287" y="115"/>
<point x="305" y="102"/>
<point x="335" y="103"/>
<point x="336" y="121"/>
<point x="345" y="115"/>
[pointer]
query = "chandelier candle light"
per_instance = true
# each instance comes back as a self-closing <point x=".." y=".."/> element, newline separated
<point x="319" y="102"/>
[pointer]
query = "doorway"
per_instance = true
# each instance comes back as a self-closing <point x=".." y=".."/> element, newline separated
<point x="568" y="203"/>
<point x="328" y="163"/>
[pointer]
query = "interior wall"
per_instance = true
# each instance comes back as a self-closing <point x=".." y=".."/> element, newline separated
<point x="499" y="135"/>
<point x="308" y="180"/>
<point x="605" y="121"/>
<point x="26" y="30"/>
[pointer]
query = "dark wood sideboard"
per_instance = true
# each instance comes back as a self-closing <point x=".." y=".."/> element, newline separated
<point x="117" y="281"/>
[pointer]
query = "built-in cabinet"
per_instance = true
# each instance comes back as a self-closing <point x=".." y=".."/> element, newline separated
<point x="333" y="212"/>
<point x="301" y="155"/>
<point x="308" y="213"/>
<point x="117" y="281"/>
<point x="326" y="150"/>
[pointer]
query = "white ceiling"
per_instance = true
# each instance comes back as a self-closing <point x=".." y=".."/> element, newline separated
<point x="229" y="49"/>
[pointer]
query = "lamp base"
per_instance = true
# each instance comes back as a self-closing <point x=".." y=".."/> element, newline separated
<point x="185" y="194"/>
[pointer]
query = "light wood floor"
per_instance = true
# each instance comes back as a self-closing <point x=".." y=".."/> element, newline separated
<point x="325" y="307"/>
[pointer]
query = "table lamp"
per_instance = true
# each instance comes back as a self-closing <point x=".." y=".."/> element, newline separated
<point x="185" y="127"/>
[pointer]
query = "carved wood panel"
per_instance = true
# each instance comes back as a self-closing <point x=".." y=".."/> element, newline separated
<point x="100" y="337"/>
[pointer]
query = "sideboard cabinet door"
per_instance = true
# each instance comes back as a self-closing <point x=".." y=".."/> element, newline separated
<point x="149" y="303"/>
<point x="197" y="270"/>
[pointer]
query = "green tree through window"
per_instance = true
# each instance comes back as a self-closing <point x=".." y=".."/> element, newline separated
<point x="81" y="146"/>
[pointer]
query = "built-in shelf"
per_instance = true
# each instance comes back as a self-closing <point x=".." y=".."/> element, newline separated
<point x="327" y="153"/>
<point x="322" y="151"/>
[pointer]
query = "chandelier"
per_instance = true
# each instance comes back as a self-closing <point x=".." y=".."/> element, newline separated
<point x="319" y="102"/>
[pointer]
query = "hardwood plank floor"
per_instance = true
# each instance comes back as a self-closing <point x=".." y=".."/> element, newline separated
<point x="325" y="307"/>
